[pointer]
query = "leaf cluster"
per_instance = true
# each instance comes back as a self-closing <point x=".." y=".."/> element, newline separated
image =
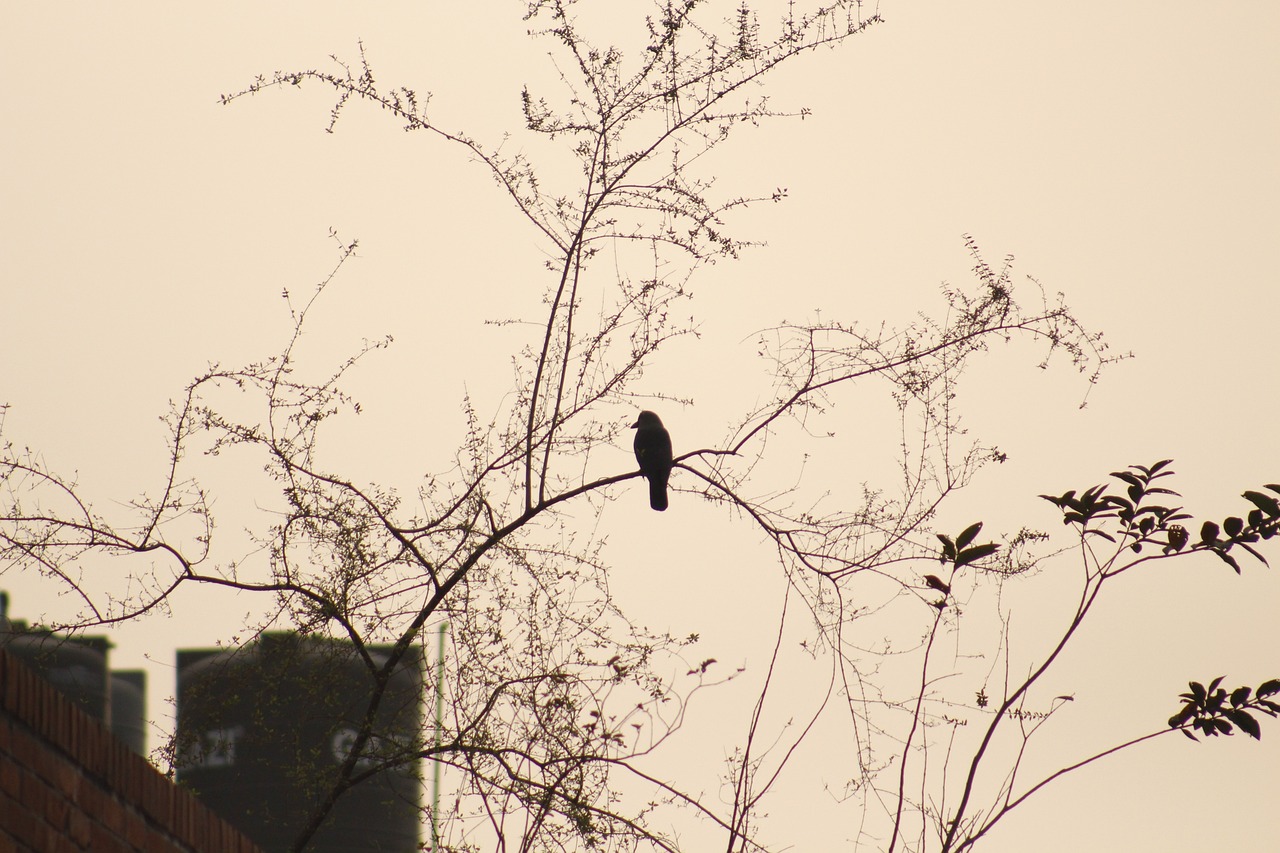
<point x="1213" y="711"/>
<point x="1126" y="513"/>
<point x="960" y="552"/>
<point x="1263" y="522"/>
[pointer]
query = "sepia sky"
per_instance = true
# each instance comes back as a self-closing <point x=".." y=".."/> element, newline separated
<point x="1124" y="154"/>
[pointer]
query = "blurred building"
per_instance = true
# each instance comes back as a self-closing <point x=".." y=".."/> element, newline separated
<point x="263" y="729"/>
<point x="77" y="667"/>
<point x="68" y="784"/>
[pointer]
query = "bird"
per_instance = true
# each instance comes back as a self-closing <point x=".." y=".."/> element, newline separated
<point x="653" y="452"/>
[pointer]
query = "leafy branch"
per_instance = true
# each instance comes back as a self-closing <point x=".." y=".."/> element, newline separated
<point x="1213" y="711"/>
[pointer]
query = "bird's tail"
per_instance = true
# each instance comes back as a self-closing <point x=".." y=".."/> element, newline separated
<point x="658" y="493"/>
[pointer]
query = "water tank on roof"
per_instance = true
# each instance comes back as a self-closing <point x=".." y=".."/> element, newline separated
<point x="262" y="731"/>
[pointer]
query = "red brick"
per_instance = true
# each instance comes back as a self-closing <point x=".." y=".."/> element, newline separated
<point x="10" y="776"/>
<point x="103" y="841"/>
<point x="7" y="844"/>
<point x="60" y="843"/>
<point x="135" y="829"/>
<point x="66" y="778"/>
<point x="35" y="794"/>
<point x="161" y="844"/>
<point x="67" y="785"/>
<point x="104" y="808"/>
<point x="22" y="825"/>
<point x="48" y="838"/>
<point x="27" y="751"/>
<point x="56" y="810"/>
<point x="78" y="829"/>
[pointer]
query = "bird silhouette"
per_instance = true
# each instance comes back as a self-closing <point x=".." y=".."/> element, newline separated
<point x="653" y="452"/>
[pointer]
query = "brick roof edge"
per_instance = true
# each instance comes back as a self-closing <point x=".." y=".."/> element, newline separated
<point x="29" y="700"/>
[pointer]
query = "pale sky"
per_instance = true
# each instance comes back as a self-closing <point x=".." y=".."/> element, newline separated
<point x="1125" y="154"/>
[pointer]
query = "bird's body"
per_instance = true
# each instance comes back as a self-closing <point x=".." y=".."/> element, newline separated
<point x="653" y="452"/>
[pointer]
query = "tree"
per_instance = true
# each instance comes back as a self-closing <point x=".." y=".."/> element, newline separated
<point x="557" y="701"/>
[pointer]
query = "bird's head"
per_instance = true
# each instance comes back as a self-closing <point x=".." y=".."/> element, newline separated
<point x="647" y="420"/>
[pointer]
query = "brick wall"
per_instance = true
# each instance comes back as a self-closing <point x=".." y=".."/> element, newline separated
<point x="67" y="784"/>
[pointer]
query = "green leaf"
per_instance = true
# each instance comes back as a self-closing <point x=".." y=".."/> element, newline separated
<point x="1239" y="696"/>
<point x="935" y="582"/>
<point x="968" y="534"/>
<point x="1117" y="501"/>
<point x="1227" y="558"/>
<point x="1131" y="479"/>
<point x="1266" y="688"/>
<point x="1247" y="724"/>
<point x="977" y="552"/>
<point x="1266" y="503"/>
<point x="1063" y="501"/>
<point x="1261" y="558"/>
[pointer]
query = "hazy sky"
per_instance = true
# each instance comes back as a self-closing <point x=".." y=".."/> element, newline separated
<point x="1125" y="154"/>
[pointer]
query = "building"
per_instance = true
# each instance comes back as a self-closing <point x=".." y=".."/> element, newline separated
<point x="263" y="730"/>
<point x="68" y="784"/>
<point x="77" y="667"/>
<point x="261" y="733"/>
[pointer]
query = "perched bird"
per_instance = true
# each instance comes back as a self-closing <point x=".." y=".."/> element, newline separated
<point x="653" y="452"/>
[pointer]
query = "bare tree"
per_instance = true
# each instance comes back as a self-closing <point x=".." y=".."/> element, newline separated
<point x="557" y="702"/>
